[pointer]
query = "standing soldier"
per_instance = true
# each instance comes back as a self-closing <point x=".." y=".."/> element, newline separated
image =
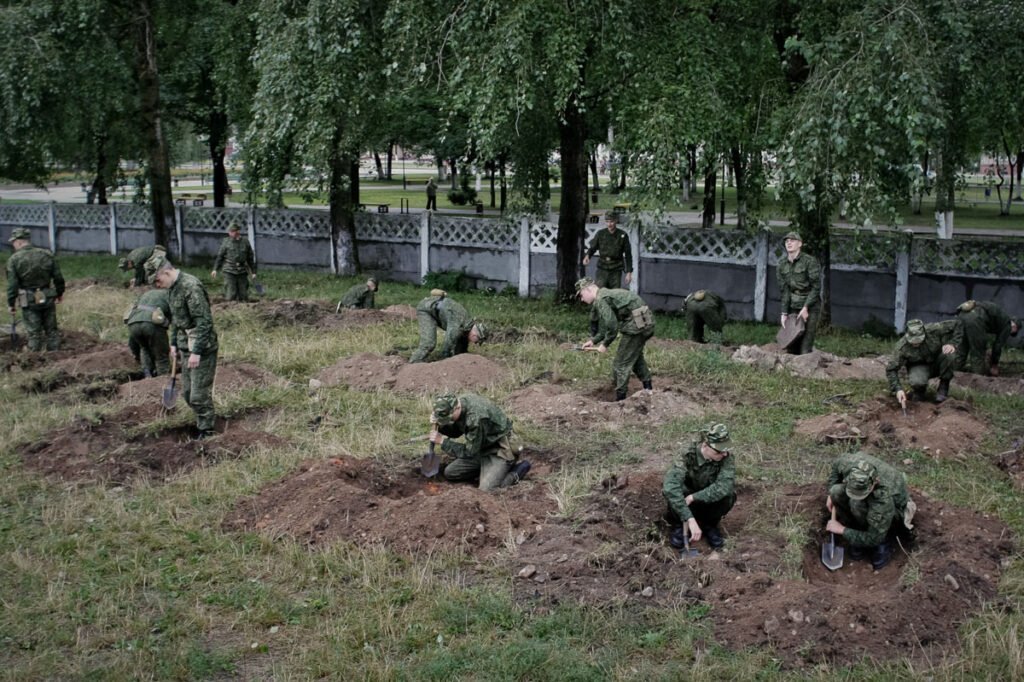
<point x="980" y="319"/>
<point x="136" y="260"/>
<point x="799" y="278"/>
<point x="704" y="309"/>
<point x="926" y="351"/>
<point x="359" y="296"/>
<point x="191" y="329"/>
<point x="616" y="256"/>
<point x="34" y="284"/>
<point x="620" y="311"/>
<point x="147" y="321"/>
<point x="700" y="488"/>
<point x="238" y="262"/>
<point x="431" y="195"/>
<point x="437" y="310"/>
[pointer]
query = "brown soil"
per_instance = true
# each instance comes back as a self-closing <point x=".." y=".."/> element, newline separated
<point x="321" y="315"/>
<point x="368" y="371"/>
<point x="73" y="343"/>
<point x="947" y="430"/>
<point x="231" y="376"/>
<point x="814" y="365"/>
<point x="1012" y="462"/>
<point x="1003" y="385"/>
<point x="401" y="311"/>
<point x="100" y="371"/>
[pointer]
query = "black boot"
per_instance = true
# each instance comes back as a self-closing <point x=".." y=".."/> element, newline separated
<point x="677" y="538"/>
<point x="856" y="552"/>
<point x="881" y="556"/>
<point x="917" y="395"/>
<point x="520" y="470"/>
<point x="714" y="537"/>
<point x="620" y="395"/>
<point x="943" y="392"/>
<point x="648" y="386"/>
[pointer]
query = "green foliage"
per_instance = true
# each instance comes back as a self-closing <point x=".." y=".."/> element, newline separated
<point x="449" y="280"/>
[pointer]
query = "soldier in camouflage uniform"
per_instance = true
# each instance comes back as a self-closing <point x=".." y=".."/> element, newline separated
<point x="191" y="329"/>
<point x="799" y="277"/>
<point x="360" y="295"/>
<point x="872" y="506"/>
<point x="437" y="310"/>
<point x="700" y="488"/>
<point x="238" y="263"/>
<point x="927" y="350"/>
<point x="616" y="256"/>
<point x="36" y="285"/>
<point x="980" y="319"/>
<point x="136" y="261"/>
<point x="147" y="321"/>
<point x="620" y="311"/>
<point x="704" y="309"/>
<point x="487" y="452"/>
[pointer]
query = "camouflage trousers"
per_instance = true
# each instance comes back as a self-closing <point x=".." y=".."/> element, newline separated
<point x="197" y="389"/>
<point x="494" y="467"/>
<point x="700" y="317"/>
<point x="810" y="329"/>
<point x="236" y="287"/>
<point x="707" y="514"/>
<point x="41" y="326"/>
<point x="604" y="279"/>
<point x="943" y="368"/>
<point x="630" y="358"/>
<point x="428" y="336"/>
<point x="148" y="343"/>
<point x="975" y="341"/>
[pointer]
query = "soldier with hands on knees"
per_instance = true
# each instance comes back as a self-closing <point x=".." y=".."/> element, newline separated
<point x="359" y="295"/>
<point x="136" y="262"/>
<point x="983" y="319"/>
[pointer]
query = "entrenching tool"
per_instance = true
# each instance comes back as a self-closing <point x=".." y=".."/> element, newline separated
<point x="14" y="333"/>
<point x="170" y="396"/>
<point x="259" y="288"/>
<point x="431" y="462"/>
<point x="687" y="552"/>
<point x="831" y="555"/>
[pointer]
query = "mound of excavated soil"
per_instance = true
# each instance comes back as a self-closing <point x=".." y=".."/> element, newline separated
<point x="1012" y="462"/>
<point x="367" y="372"/>
<point x="813" y="365"/>
<point x="368" y="503"/>
<point x="73" y="343"/>
<point x="363" y="372"/>
<point x="1004" y="385"/>
<point x="946" y="430"/>
<point x="101" y="371"/>
<point x="322" y="315"/>
<point x="231" y="376"/>
<point x="401" y="311"/>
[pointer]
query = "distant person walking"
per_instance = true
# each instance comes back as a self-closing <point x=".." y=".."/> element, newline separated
<point x="431" y="195"/>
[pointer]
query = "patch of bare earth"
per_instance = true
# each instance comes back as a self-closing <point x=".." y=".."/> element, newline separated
<point x="813" y="365"/>
<point x="73" y="343"/>
<point x="231" y="376"/>
<point x="1012" y="462"/>
<point x="1003" y="385"/>
<point x="368" y="371"/>
<point x="322" y="315"/>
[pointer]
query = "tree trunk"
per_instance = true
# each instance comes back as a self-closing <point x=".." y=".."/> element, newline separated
<point x="158" y="166"/>
<point x="1020" y="171"/>
<point x="491" y="171"/>
<point x="1011" y="160"/>
<point x="391" y="160"/>
<point x="918" y="198"/>
<point x="572" y="214"/>
<point x="593" y="171"/>
<point x="99" y="183"/>
<point x="1003" y="208"/>
<point x="684" y="177"/>
<point x="455" y="173"/>
<point x="377" y="163"/>
<point x="707" y="216"/>
<point x="739" y="169"/>
<point x="343" y="225"/>
<point x="441" y="170"/>
<point x="623" y="169"/>
<point x="504" y="185"/>
<point x="945" y="196"/>
<point x="691" y="160"/>
<point x="218" y="125"/>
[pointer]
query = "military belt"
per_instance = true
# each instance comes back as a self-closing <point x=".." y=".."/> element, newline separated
<point x="147" y="308"/>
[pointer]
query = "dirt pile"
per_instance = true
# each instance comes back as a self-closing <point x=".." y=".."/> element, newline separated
<point x="1004" y="385"/>
<point x="73" y="343"/>
<point x="322" y="315"/>
<point x="1012" y="462"/>
<point x="231" y="377"/>
<point x="400" y="311"/>
<point x="814" y="365"/>
<point x="368" y="371"/>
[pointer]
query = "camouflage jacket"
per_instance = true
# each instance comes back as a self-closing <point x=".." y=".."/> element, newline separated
<point x="711" y="309"/>
<point x="235" y="257"/>
<point x="692" y="473"/>
<point x="33" y="268"/>
<point x="481" y="422"/>
<point x="191" y="318"/>
<point x="614" y="247"/>
<point x="138" y="257"/>
<point x="993" y="320"/>
<point x="876" y="511"/>
<point x="799" y="282"/>
<point x="937" y="334"/>
<point x="449" y="316"/>
<point x="359" y="296"/>
<point x="144" y="308"/>
<point x="615" y="314"/>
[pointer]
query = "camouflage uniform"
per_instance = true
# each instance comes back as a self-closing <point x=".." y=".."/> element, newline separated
<point x="192" y="332"/>
<point x="441" y="311"/>
<point x="927" y="360"/>
<point x="147" y="321"/>
<point x="704" y="309"/>
<point x="487" y="451"/>
<point x="800" y="285"/>
<point x="980" y="319"/>
<point x="34" y="282"/>
<point x="238" y="261"/>
<point x="870" y="521"/>
<point x="616" y="256"/>
<point x="359" y="296"/>
<point x="136" y="261"/>
<point x="712" y="484"/>
<point x="615" y="312"/>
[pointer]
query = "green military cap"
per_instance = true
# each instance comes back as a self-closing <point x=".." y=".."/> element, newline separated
<point x="915" y="332"/>
<point x="611" y="217"/>
<point x="234" y="226"/>
<point x="124" y="264"/>
<point x="794" y="235"/>
<point x="444" y="405"/>
<point x="582" y="283"/>
<point x="860" y="480"/>
<point x="155" y="262"/>
<point x="717" y="436"/>
<point x="481" y="331"/>
<point x="20" y="233"/>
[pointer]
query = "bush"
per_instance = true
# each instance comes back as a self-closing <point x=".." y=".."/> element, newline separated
<point x="448" y="280"/>
<point x="464" y="194"/>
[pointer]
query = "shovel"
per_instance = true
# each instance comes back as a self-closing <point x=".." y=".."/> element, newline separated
<point x="170" y="396"/>
<point x="687" y="552"/>
<point x="831" y="555"/>
<point x="431" y="462"/>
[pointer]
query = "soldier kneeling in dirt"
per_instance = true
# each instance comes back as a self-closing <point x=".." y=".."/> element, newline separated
<point x="872" y="504"/>
<point x="487" y="452"/>
<point x="700" y="488"/>
<point x="437" y="310"/>
<point x="704" y="309"/>
<point x="982" y="318"/>
<point x="927" y="350"/>
<point x="359" y="296"/>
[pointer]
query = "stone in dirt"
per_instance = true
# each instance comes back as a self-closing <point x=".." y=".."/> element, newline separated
<point x="813" y="365"/>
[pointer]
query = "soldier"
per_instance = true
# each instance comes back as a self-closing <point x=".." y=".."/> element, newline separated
<point x="431" y="195"/>
<point x="704" y="309"/>
<point x="191" y="329"/>
<point x="487" y="451"/>
<point x="620" y="311"/>
<point x="238" y="262"/>
<point x="980" y="319"/>
<point x="147" y="321"/>
<point x="136" y="260"/>
<point x="34" y="284"/>
<point x="799" y="278"/>
<point x="616" y="256"/>
<point x="359" y="296"/>
<point x="872" y="505"/>
<point x="926" y="350"/>
<point x="700" y="488"/>
<point x="437" y="310"/>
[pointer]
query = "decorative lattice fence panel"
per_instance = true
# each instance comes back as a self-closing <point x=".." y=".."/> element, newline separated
<point x="82" y="216"/>
<point x="213" y="219"/>
<point x="495" y="234"/>
<point x="134" y="216"/>
<point x="388" y="227"/>
<point x="865" y="252"/>
<point x="976" y="258"/>
<point x="719" y="246"/>
<point x="25" y="215"/>
<point x="544" y="236"/>
<point x="293" y="223"/>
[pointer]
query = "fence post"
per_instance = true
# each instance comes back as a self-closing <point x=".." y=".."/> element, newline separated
<point x="761" y="275"/>
<point x="902" y="282"/>
<point x="424" y="244"/>
<point x="51" y="219"/>
<point x="179" y="231"/>
<point x="633" y="232"/>
<point x="332" y="248"/>
<point x="524" y="258"/>
<point x="113" y="228"/>
<point x="251" y="219"/>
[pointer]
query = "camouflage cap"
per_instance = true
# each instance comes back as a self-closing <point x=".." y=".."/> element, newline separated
<point x="717" y="436"/>
<point x="444" y="405"/>
<point x="234" y="226"/>
<point x="20" y="233"/>
<point x="612" y="217"/>
<point x="582" y="283"/>
<point x="699" y="295"/>
<point x="155" y="262"/>
<point x="372" y="279"/>
<point x="481" y="331"/>
<point x="860" y="480"/>
<point x="794" y="235"/>
<point x="915" y="332"/>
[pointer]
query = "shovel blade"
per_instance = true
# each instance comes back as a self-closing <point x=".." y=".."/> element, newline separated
<point x="170" y="396"/>
<point x="431" y="463"/>
<point x="259" y="288"/>
<point x="688" y="552"/>
<point x="832" y="556"/>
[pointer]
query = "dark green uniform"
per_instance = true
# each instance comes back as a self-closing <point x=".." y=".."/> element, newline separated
<point x="137" y="258"/>
<point x="704" y="309"/>
<point x="486" y="451"/>
<point x="192" y="332"/>
<point x="441" y="311"/>
<point x="980" y="319"/>
<point x="927" y="359"/>
<point x="799" y="286"/>
<point x="34" y="282"/>
<point x="712" y="484"/>
<point x="235" y="262"/>
<point x="147" y="321"/>
<point x="621" y="311"/>
<point x="359" y="296"/>
<point x="868" y="521"/>
<point x="616" y="257"/>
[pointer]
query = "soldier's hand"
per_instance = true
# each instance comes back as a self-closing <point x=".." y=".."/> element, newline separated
<point x="689" y="500"/>
<point x="213" y="274"/>
<point x="948" y="349"/>
<point x="193" y="361"/>
<point x="173" y="352"/>
<point x="131" y="283"/>
<point x="901" y="398"/>
<point x="253" y="276"/>
<point x="804" y="314"/>
<point x="435" y="437"/>
<point x="835" y="527"/>
<point x="586" y="260"/>
<point x="629" y="277"/>
<point x="59" y="299"/>
<point x="782" y="319"/>
<point x="602" y="349"/>
<point x="587" y="345"/>
<point x="695" y="532"/>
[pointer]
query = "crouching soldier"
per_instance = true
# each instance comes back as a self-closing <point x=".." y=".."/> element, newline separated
<point x="704" y="309"/>
<point x="926" y="351"/>
<point x="981" y="319"/>
<point x="487" y="451"/>
<point x="147" y="321"/>
<point x="873" y="506"/>
<point x="437" y="310"/>
<point x="136" y="262"/>
<point x="700" y="488"/>
<point x="359" y="296"/>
